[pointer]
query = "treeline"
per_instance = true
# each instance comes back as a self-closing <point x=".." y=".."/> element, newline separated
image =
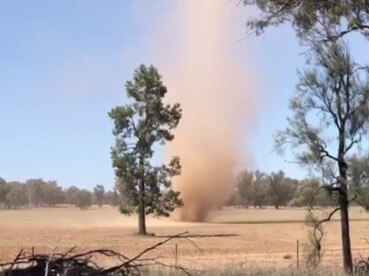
<point x="260" y="189"/>
<point x="41" y="193"/>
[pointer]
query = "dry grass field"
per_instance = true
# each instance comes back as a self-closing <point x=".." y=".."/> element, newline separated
<point x="230" y="237"/>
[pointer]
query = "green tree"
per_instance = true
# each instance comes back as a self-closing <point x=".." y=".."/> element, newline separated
<point x="260" y="190"/>
<point x="244" y="187"/>
<point x="306" y="194"/>
<point x="52" y="194"/>
<point x="16" y="197"/>
<point x="330" y="118"/>
<point x="3" y="191"/>
<point x="282" y="189"/>
<point x="71" y="195"/>
<point x="323" y="20"/>
<point x="111" y="198"/>
<point x="33" y="191"/>
<point x="137" y="127"/>
<point x="83" y="199"/>
<point x="359" y="176"/>
<point x="99" y="192"/>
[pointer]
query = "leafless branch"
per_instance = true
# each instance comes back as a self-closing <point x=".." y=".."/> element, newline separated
<point x="317" y="228"/>
<point x="81" y="263"/>
<point x="51" y="256"/>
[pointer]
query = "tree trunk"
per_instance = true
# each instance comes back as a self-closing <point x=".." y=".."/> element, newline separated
<point x="345" y="231"/>
<point x="141" y="210"/>
<point x="343" y="200"/>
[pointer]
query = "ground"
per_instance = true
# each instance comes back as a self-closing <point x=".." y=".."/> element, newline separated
<point x="231" y="236"/>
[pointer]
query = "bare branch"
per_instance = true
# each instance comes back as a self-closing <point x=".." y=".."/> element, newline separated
<point x="81" y="263"/>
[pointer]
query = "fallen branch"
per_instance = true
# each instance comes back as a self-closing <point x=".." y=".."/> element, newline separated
<point x="81" y="264"/>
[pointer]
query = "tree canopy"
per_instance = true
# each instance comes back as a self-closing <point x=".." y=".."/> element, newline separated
<point x="323" y="20"/>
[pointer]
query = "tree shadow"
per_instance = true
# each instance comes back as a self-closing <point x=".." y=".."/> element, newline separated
<point x="199" y="236"/>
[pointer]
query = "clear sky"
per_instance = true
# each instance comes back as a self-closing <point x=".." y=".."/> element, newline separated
<point x="63" y="65"/>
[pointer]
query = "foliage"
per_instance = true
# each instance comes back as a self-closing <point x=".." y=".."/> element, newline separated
<point x="138" y="126"/>
<point x="71" y="195"/>
<point x="305" y="194"/>
<point x="99" y="192"/>
<point x="260" y="190"/>
<point x="282" y="189"/>
<point x="338" y="95"/>
<point x="40" y="193"/>
<point x="245" y="183"/>
<point x="33" y="191"/>
<point x="52" y="194"/>
<point x="359" y="180"/>
<point x="312" y="247"/>
<point x="3" y="191"/>
<point x="83" y="199"/>
<point x="111" y="198"/>
<point x="16" y="197"/>
<point x="323" y="20"/>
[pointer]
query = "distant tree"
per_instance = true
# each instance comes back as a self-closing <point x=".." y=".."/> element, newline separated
<point x="99" y="192"/>
<point x="245" y="184"/>
<point x="71" y="195"/>
<point x="16" y="197"/>
<point x="304" y="195"/>
<point x="137" y="127"/>
<point x="115" y="198"/>
<point x="323" y="20"/>
<point x="3" y="191"/>
<point x="359" y="180"/>
<point x="112" y="198"/>
<point x="330" y="119"/>
<point x="83" y="199"/>
<point x="282" y="189"/>
<point x="260" y="190"/>
<point x="33" y="189"/>
<point x="52" y="194"/>
<point x="2" y="181"/>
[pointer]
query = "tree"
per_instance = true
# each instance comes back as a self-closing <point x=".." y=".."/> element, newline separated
<point x="305" y="194"/>
<point x="71" y="195"/>
<point x="52" y="194"/>
<point x="3" y="191"/>
<point x="323" y="20"/>
<point x="244" y="187"/>
<point x="16" y="197"/>
<point x="260" y="190"/>
<point x="99" y="192"/>
<point x="282" y="189"/>
<point x="33" y="191"/>
<point x="83" y="199"/>
<point x="137" y="127"/>
<point x="111" y="198"/>
<point x="359" y="175"/>
<point x="330" y="117"/>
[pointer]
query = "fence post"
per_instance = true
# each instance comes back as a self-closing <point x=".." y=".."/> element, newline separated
<point x="297" y="255"/>
<point x="176" y="255"/>
<point x="33" y="255"/>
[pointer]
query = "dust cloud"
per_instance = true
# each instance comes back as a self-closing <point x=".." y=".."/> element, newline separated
<point x="211" y="80"/>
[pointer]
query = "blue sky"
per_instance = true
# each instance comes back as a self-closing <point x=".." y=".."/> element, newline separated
<point x="63" y="65"/>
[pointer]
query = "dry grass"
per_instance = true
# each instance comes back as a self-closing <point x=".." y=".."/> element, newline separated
<point x="257" y="238"/>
